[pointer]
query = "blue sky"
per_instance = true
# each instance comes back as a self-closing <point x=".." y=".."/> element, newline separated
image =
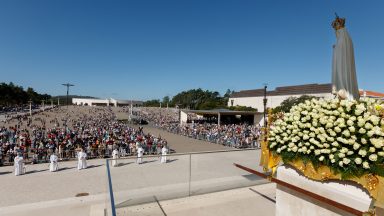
<point x="142" y="49"/>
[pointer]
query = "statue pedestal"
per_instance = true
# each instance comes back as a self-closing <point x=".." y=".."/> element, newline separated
<point x="292" y="203"/>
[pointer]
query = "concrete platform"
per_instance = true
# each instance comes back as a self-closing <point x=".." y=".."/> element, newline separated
<point x="257" y="200"/>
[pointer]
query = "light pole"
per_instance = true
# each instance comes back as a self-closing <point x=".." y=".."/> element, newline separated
<point x="68" y="85"/>
<point x="265" y="105"/>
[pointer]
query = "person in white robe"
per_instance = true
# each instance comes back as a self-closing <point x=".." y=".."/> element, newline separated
<point x="19" y="165"/>
<point x="344" y="81"/>
<point x="54" y="165"/>
<point x="164" y="152"/>
<point x="140" y="153"/>
<point x="115" y="155"/>
<point x="82" y="160"/>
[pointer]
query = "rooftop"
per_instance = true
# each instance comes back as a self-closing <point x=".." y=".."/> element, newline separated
<point x="287" y="90"/>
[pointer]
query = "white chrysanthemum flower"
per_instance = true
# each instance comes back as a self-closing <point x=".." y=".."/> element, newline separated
<point x="346" y="133"/>
<point x="341" y="163"/>
<point x="374" y="119"/>
<point x="378" y="143"/>
<point x="363" y="141"/>
<point x="346" y="161"/>
<point x="341" y="155"/>
<point x="372" y="149"/>
<point x="373" y="157"/>
<point x="368" y="126"/>
<point x="356" y="146"/>
<point x="331" y="156"/>
<point x="362" y="152"/>
<point x="381" y="154"/>
<point x="321" y="158"/>
<point x="366" y="165"/>
<point x="358" y="160"/>
<point x="362" y="131"/>
<point x="333" y="161"/>
<point x="352" y="129"/>
<point x="337" y="129"/>
<point x="350" y="122"/>
<point x="370" y="133"/>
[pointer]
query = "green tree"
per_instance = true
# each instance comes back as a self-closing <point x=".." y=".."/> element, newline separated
<point x="152" y="103"/>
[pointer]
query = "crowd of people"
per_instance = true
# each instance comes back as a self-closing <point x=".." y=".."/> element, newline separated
<point x="65" y="133"/>
<point x="231" y="135"/>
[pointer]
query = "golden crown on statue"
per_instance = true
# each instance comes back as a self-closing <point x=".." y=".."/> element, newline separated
<point x="338" y="23"/>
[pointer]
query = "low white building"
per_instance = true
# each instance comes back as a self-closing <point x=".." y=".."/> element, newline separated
<point x="104" y="102"/>
<point x="254" y="98"/>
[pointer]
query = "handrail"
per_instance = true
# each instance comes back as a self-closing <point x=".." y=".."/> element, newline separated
<point x="186" y="153"/>
<point x="303" y="191"/>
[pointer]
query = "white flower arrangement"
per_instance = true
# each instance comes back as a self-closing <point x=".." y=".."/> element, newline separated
<point x="347" y="136"/>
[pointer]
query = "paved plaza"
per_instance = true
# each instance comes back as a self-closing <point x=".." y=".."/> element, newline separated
<point x="40" y="192"/>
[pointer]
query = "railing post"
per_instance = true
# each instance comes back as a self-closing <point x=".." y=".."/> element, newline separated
<point x="190" y="165"/>
<point x="111" y="196"/>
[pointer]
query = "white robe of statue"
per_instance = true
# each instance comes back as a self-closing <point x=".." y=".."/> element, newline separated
<point x="19" y="165"/>
<point x="164" y="152"/>
<point x="140" y="152"/>
<point x="343" y="66"/>
<point x="82" y="160"/>
<point x="54" y="165"/>
<point x="115" y="155"/>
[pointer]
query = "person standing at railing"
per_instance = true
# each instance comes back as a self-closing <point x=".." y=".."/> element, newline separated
<point x="115" y="155"/>
<point x="164" y="152"/>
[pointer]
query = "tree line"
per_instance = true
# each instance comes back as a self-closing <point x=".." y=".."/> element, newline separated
<point x="11" y="94"/>
<point x="197" y="99"/>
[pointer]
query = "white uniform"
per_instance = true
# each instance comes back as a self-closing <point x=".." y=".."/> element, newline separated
<point x="115" y="155"/>
<point x="140" y="152"/>
<point x="343" y="66"/>
<point x="54" y="166"/>
<point x="164" y="152"/>
<point x="82" y="160"/>
<point x="19" y="165"/>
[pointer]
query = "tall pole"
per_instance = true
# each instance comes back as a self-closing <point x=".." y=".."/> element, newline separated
<point x="30" y="108"/>
<point x="68" y="85"/>
<point x="265" y="105"/>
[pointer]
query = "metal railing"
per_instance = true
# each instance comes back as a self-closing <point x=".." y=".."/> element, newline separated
<point x="188" y="174"/>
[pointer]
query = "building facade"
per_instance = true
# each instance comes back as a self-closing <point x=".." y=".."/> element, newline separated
<point x="104" y="102"/>
<point x="254" y="98"/>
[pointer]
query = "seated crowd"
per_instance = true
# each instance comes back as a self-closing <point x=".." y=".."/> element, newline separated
<point x="96" y="131"/>
<point x="232" y="135"/>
